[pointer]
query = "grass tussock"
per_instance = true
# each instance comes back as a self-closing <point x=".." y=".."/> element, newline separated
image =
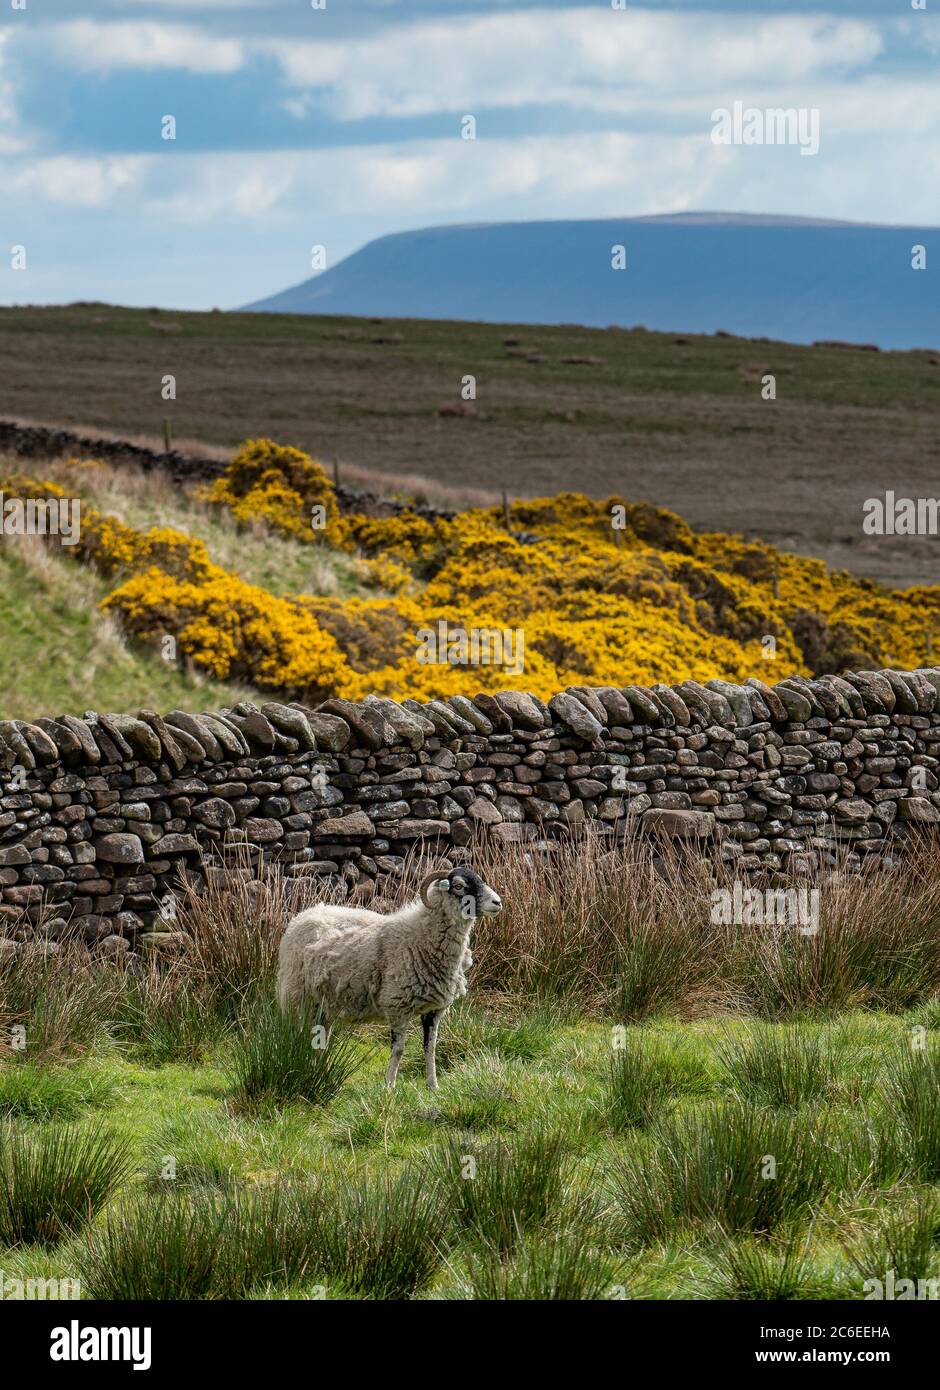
<point x="163" y="1018"/>
<point x="564" y="1268"/>
<point x="373" y="1238"/>
<point x="54" y="1180"/>
<point x="276" y="1058"/>
<point x="382" y="1237"/>
<point x="58" y="1003"/>
<point x="158" y="1246"/>
<point x="877" y="945"/>
<point x="783" y="1066"/>
<point x="645" y="1075"/>
<point x="235" y="923"/>
<point x="912" y="1092"/>
<point x="36" y="1091"/>
<point x="504" y="1190"/>
<point x="904" y="1236"/>
<point x="596" y="927"/>
<point x="764" y="1271"/>
<point x="734" y="1166"/>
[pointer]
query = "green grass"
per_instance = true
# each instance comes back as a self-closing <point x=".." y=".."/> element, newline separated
<point x="37" y="1092"/>
<point x="781" y="1066"/>
<point x="169" y="1024"/>
<point x="728" y="1166"/>
<point x="566" y="1267"/>
<point x="505" y="1189"/>
<point x="750" y="1269"/>
<point x="637" y="359"/>
<point x="158" y="1246"/>
<point x="369" y="1194"/>
<point x="905" y="1237"/>
<point x="51" y="608"/>
<point x="53" y="1180"/>
<point x="277" y="1058"/>
<point x="646" y="1076"/>
<point x="87" y="664"/>
<point x="913" y="1095"/>
<point x="194" y="1151"/>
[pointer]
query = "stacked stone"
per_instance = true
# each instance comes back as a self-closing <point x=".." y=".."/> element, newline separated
<point x="99" y="815"/>
<point x="42" y="441"/>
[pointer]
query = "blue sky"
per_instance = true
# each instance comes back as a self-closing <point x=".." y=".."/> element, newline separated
<point x="298" y="127"/>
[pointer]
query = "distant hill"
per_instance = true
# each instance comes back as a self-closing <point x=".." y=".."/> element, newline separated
<point x="789" y="278"/>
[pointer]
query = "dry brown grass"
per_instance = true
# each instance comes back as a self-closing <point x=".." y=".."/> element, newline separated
<point x="154" y="484"/>
<point x="630" y="931"/>
<point x="143" y="499"/>
<point x="624" y="933"/>
<point x="662" y="420"/>
<point x="574" y="924"/>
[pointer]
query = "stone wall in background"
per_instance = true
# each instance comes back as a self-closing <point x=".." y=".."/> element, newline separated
<point x="44" y="442"/>
<point x="97" y="815"/>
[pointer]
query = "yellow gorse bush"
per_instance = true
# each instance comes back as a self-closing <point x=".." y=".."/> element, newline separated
<point x="114" y="548"/>
<point x="584" y="603"/>
<point x="234" y="630"/>
<point x="274" y="485"/>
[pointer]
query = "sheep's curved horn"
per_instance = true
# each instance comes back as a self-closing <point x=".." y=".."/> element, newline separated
<point x="426" y="883"/>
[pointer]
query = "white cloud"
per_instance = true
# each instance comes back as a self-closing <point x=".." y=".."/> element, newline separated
<point x="428" y="180"/>
<point x="95" y="47"/>
<point x="85" y="182"/>
<point x="382" y="187"/>
<point x="601" y="60"/>
<point x="434" y="180"/>
<point x="925" y="29"/>
<point x="590" y="59"/>
<point x="10" y="138"/>
<point x="190" y="5"/>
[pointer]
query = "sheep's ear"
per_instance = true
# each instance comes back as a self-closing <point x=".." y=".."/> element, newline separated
<point x="444" y="885"/>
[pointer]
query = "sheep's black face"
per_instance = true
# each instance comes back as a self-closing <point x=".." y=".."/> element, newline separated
<point x="474" y="897"/>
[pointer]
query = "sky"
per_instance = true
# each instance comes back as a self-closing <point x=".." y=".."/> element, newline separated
<point x="299" y="127"/>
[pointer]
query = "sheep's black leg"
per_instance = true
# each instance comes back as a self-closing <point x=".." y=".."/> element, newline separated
<point x="429" y="1023"/>
<point x="398" y="1047"/>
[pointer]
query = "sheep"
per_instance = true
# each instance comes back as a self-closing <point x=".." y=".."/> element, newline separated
<point x="369" y="967"/>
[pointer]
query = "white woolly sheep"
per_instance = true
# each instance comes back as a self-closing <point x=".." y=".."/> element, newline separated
<point x="369" y="967"/>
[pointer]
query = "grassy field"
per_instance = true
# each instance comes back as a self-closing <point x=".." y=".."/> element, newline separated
<point x="678" y="421"/>
<point x="629" y="1108"/>
<point x="62" y="654"/>
<point x="600" y="1173"/>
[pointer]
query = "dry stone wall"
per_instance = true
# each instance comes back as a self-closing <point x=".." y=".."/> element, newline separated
<point x="98" y="815"/>
<point x="44" y="442"/>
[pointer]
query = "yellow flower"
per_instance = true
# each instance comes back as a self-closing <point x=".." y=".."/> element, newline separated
<point x="585" y="604"/>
